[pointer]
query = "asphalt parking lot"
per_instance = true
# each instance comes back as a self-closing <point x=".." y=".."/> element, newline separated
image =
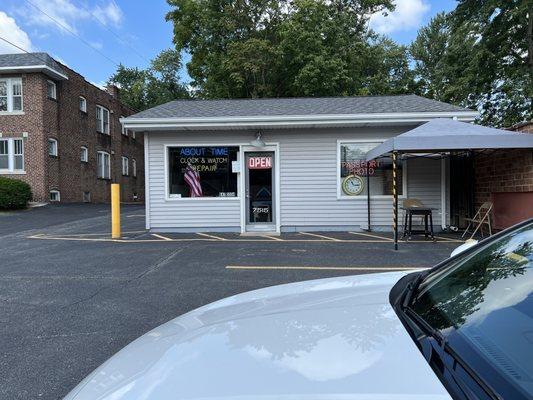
<point x="70" y="296"/>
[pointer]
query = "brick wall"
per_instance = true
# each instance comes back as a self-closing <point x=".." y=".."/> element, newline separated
<point x="61" y="119"/>
<point x="504" y="170"/>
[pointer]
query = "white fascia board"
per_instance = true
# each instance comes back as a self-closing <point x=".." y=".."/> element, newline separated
<point x="35" y="68"/>
<point x="289" y="120"/>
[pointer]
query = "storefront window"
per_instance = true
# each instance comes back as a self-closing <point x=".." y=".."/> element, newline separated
<point x="354" y="170"/>
<point x="202" y="171"/>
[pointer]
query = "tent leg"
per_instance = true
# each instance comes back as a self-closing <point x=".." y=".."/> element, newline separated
<point x="368" y="197"/>
<point x="395" y="195"/>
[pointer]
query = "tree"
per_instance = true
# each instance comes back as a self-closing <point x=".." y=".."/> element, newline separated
<point x="265" y="48"/>
<point x="503" y="57"/>
<point x="158" y="84"/>
<point x="479" y="56"/>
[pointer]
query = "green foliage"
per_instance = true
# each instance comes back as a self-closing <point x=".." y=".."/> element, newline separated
<point x="14" y="194"/>
<point x="160" y="83"/>
<point x="480" y="56"/>
<point x="264" y="48"/>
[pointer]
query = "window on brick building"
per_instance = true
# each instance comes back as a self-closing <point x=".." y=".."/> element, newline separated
<point x="55" y="195"/>
<point x="11" y="155"/>
<point x="134" y="168"/>
<point x="102" y="120"/>
<point x="18" y="154"/>
<point x="103" y="164"/>
<point x="52" y="147"/>
<point x="4" y="154"/>
<point x="125" y="166"/>
<point x="51" y="90"/>
<point x="83" y="104"/>
<point x="10" y="95"/>
<point x="84" y="154"/>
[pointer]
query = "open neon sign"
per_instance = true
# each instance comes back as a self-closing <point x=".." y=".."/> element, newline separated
<point x="260" y="162"/>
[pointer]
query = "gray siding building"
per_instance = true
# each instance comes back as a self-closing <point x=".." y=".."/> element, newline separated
<point x="282" y="165"/>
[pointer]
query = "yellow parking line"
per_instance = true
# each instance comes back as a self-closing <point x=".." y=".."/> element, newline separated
<point x="372" y="236"/>
<point x="95" y="234"/>
<point x="211" y="236"/>
<point x="274" y="238"/>
<point x="448" y="239"/>
<point x="320" y="236"/>
<point x="297" y="267"/>
<point x="207" y="239"/>
<point x="161" y="237"/>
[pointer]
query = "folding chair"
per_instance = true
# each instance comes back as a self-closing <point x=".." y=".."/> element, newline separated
<point x="481" y="218"/>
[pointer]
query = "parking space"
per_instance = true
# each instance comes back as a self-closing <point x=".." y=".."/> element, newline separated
<point x="70" y="296"/>
<point x="137" y="236"/>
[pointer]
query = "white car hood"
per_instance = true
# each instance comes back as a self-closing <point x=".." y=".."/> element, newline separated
<point x="334" y="338"/>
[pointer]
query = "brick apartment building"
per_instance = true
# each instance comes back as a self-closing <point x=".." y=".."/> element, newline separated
<point x="62" y="134"/>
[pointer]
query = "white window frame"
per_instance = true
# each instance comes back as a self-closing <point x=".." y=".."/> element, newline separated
<point x="55" y="149"/>
<point x="100" y="169"/>
<point x="11" y="156"/>
<point x="83" y="104"/>
<point x="125" y="166"/>
<point x="134" y="167"/>
<point x="55" y="191"/>
<point x="341" y="196"/>
<point x="100" y="123"/>
<point x="10" y="96"/>
<point x="133" y="136"/>
<point x="84" y="158"/>
<point x="54" y="89"/>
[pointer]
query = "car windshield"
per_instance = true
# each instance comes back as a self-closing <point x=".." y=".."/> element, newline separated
<point x="486" y="298"/>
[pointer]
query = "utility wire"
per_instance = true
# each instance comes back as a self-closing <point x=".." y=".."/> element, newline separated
<point x="121" y="40"/>
<point x="73" y="33"/>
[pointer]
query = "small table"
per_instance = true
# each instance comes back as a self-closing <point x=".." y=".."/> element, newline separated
<point x="427" y="213"/>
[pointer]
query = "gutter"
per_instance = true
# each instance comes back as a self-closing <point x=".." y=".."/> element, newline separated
<point x="338" y="120"/>
<point x="35" y="68"/>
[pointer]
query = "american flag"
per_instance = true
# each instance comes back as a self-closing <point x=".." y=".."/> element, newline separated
<point x="192" y="179"/>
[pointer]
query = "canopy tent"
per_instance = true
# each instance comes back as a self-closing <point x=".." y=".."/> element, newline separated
<point x="440" y="136"/>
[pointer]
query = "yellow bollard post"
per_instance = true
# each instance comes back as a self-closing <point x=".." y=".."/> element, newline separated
<point x="115" y="211"/>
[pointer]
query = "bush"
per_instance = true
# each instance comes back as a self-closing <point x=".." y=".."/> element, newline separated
<point x="14" y="194"/>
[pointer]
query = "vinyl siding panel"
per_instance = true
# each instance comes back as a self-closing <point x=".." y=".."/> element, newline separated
<point x="308" y="182"/>
<point x="424" y="183"/>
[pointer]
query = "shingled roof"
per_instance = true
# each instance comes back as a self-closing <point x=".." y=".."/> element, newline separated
<point x="297" y="106"/>
<point x="32" y="62"/>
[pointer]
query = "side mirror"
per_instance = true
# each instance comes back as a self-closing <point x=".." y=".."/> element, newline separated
<point x="465" y="246"/>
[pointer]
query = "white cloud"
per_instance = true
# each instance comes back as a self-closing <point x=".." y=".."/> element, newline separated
<point x="97" y="45"/>
<point x="407" y="15"/>
<point x="101" y="85"/>
<point x="109" y="14"/>
<point x="65" y="15"/>
<point x="57" y="58"/>
<point x="12" y="32"/>
<point x="58" y="14"/>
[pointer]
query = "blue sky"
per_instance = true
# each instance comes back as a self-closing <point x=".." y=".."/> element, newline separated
<point x="134" y="31"/>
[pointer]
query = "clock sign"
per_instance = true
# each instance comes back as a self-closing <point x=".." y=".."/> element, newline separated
<point x="353" y="185"/>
